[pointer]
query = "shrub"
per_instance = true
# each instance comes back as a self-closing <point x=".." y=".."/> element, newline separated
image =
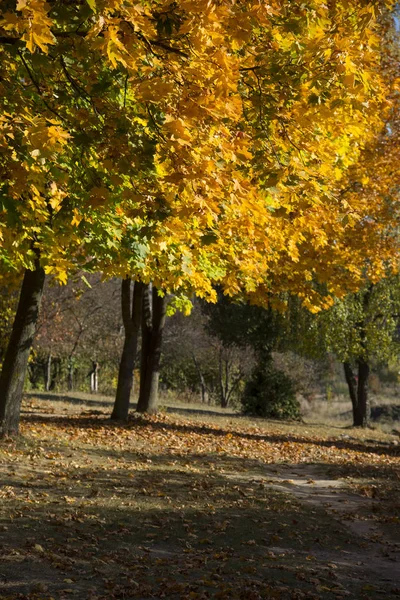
<point x="270" y="393"/>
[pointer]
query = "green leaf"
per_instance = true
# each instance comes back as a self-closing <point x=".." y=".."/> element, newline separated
<point x="85" y="281"/>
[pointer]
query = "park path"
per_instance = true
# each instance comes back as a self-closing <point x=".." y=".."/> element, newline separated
<point x="378" y="560"/>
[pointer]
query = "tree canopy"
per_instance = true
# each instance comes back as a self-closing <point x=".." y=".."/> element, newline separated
<point x="190" y="143"/>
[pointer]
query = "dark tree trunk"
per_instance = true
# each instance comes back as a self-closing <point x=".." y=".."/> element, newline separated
<point x="35" y="370"/>
<point x="352" y="385"/>
<point x="16" y="359"/>
<point x="221" y="380"/>
<point x="55" y="373"/>
<point x="131" y="314"/>
<point x="363" y="409"/>
<point x="147" y="326"/>
<point x="70" y="377"/>
<point x="153" y="322"/>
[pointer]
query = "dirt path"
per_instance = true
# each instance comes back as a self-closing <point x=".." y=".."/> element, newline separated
<point x="378" y="559"/>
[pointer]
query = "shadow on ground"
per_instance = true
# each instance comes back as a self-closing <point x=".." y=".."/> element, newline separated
<point x="168" y="527"/>
<point x="76" y="400"/>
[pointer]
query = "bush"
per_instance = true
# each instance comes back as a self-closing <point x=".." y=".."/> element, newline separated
<point x="270" y="393"/>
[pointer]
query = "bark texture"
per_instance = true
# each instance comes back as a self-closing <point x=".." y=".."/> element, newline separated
<point x="358" y="392"/>
<point x="48" y="373"/>
<point x="131" y="305"/>
<point x="15" y="363"/>
<point x="352" y="386"/>
<point x="153" y="322"/>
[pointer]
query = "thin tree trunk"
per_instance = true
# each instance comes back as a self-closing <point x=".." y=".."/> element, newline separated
<point x="70" y="380"/>
<point x="221" y="379"/>
<point x="352" y="385"/>
<point x="226" y="391"/>
<point x="152" y="332"/>
<point x="55" y="374"/>
<point x="48" y="373"/>
<point x="203" y="386"/>
<point x="16" y="359"/>
<point x="94" y="378"/>
<point x="131" y="315"/>
<point x="363" y="409"/>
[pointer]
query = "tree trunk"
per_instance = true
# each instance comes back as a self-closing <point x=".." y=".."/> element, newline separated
<point x="363" y="410"/>
<point x="131" y="314"/>
<point x="203" y="386"/>
<point x="94" y="378"/>
<point x="153" y="322"/>
<point x="55" y="374"/>
<point x="147" y="324"/>
<point x="48" y="373"/>
<point x="221" y="380"/>
<point x="16" y="359"/>
<point x="352" y="385"/>
<point x="70" y="379"/>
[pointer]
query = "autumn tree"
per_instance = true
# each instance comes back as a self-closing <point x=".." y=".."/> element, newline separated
<point x="181" y="132"/>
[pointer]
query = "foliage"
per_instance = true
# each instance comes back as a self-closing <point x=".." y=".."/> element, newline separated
<point x="173" y="140"/>
<point x="310" y="376"/>
<point x="363" y="324"/>
<point x="242" y="324"/>
<point x="270" y="393"/>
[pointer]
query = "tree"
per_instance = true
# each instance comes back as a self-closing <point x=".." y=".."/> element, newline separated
<point x="16" y="358"/>
<point x="201" y="363"/>
<point x="131" y="304"/>
<point x="181" y="131"/>
<point x="153" y="322"/>
<point x="361" y="329"/>
<point x="268" y="392"/>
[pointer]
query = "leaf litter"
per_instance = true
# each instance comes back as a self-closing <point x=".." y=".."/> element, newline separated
<point x="175" y="507"/>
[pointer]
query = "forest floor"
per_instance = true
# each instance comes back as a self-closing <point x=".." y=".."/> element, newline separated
<point x="194" y="504"/>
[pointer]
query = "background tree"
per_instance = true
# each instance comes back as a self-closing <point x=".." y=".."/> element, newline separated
<point x="197" y="362"/>
<point x="268" y="391"/>
<point x="361" y="330"/>
<point x="80" y="324"/>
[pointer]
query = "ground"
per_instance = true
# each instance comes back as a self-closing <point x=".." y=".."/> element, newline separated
<point x="195" y="504"/>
